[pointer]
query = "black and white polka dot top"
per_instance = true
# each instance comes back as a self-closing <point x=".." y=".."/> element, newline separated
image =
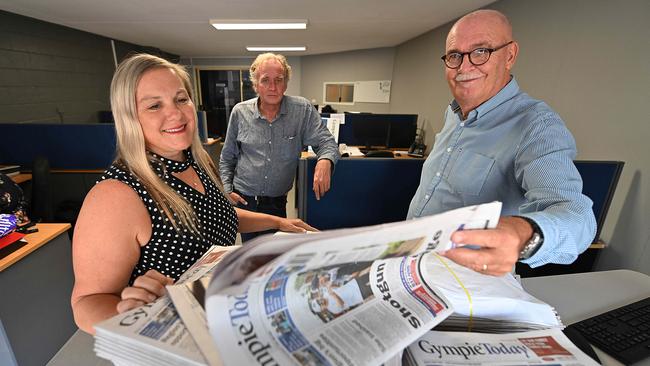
<point x="168" y="251"/>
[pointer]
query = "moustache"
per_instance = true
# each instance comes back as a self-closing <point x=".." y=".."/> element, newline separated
<point x="465" y="77"/>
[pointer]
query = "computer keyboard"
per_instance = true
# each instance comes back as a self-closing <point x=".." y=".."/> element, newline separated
<point x="623" y="333"/>
<point x="379" y="154"/>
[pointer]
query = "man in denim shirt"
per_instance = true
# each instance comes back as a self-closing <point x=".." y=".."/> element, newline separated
<point x="265" y="138"/>
<point x="499" y="144"/>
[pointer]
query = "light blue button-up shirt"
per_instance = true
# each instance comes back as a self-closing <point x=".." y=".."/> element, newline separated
<point x="260" y="158"/>
<point x="516" y="150"/>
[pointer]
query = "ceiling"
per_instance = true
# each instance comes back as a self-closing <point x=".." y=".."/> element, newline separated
<point x="182" y="27"/>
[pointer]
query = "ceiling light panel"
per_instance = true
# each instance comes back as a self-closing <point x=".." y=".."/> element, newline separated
<point x="276" y="48"/>
<point x="250" y="24"/>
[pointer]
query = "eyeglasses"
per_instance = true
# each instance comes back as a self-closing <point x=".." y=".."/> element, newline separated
<point x="477" y="56"/>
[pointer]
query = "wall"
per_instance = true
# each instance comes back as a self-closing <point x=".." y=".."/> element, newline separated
<point x="586" y="59"/>
<point x="50" y="73"/>
<point x="55" y="74"/>
<point x="373" y="64"/>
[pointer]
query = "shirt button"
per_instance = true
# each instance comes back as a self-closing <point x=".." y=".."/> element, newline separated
<point x="449" y="149"/>
<point x="426" y="197"/>
<point x="269" y="159"/>
<point x="269" y="142"/>
<point x="265" y="177"/>
<point x="437" y="174"/>
<point x="462" y="124"/>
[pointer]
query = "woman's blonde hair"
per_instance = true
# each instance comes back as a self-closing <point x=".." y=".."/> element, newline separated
<point x="131" y="147"/>
<point x="265" y="57"/>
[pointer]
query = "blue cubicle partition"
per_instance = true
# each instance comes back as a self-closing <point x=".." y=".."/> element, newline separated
<point x="66" y="146"/>
<point x="364" y="191"/>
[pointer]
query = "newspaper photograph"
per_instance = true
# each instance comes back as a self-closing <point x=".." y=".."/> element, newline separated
<point x="540" y="347"/>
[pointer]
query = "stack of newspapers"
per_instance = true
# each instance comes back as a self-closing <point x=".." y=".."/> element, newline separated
<point x="354" y="296"/>
<point x="155" y="334"/>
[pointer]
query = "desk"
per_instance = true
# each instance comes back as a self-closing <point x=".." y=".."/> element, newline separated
<point x="21" y="177"/>
<point x="579" y="296"/>
<point x="575" y="296"/>
<point x="35" y="282"/>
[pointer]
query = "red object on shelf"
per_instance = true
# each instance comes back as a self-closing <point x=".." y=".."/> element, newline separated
<point x="10" y="239"/>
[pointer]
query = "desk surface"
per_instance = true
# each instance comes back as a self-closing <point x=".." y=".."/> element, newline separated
<point x="579" y="296"/>
<point x="46" y="232"/>
<point x="574" y="296"/>
<point x="21" y="177"/>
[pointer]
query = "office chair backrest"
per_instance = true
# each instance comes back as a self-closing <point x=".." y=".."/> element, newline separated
<point x="599" y="181"/>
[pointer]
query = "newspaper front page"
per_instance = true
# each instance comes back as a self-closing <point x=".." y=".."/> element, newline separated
<point x="334" y="294"/>
<point x="343" y="297"/>
<point x="548" y="347"/>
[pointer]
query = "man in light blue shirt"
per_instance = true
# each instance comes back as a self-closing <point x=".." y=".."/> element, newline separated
<point x="499" y="144"/>
<point x="265" y="138"/>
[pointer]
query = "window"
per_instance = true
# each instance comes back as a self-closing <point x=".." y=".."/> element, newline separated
<point x="338" y="93"/>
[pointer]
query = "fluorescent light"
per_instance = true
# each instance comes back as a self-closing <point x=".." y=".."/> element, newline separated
<point x="275" y="48"/>
<point x="248" y="24"/>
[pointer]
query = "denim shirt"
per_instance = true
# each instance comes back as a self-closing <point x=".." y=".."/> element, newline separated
<point x="516" y="150"/>
<point x="260" y="157"/>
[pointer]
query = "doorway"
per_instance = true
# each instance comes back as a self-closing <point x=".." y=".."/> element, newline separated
<point x="219" y="91"/>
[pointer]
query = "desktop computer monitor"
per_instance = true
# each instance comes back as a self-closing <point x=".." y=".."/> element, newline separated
<point x="369" y="130"/>
<point x="379" y="130"/>
<point x="403" y="128"/>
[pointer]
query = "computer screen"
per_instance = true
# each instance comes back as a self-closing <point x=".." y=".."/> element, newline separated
<point x="371" y="130"/>
<point x="403" y="128"/>
<point x="378" y="130"/>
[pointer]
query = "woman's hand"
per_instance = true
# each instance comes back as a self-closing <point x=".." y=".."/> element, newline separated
<point x="236" y="199"/>
<point x="294" y="226"/>
<point x="145" y="289"/>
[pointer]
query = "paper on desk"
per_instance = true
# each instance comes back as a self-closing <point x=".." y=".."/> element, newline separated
<point x="339" y="116"/>
<point x="350" y="150"/>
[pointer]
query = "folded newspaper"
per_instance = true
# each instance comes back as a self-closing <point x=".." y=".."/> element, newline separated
<point x="342" y="297"/>
<point x="548" y="347"/>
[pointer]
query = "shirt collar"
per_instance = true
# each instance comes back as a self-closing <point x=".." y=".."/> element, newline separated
<point x="506" y="93"/>
<point x="283" y="107"/>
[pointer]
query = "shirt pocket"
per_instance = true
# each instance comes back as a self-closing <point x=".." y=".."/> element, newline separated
<point x="470" y="172"/>
<point x="289" y="147"/>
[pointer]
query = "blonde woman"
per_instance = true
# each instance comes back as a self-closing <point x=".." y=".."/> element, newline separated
<point x="160" y="206"/>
